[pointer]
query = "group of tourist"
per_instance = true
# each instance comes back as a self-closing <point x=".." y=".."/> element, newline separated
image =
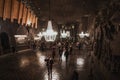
<point x="62" y="49"/>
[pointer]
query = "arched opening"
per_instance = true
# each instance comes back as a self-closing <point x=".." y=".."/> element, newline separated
<point x="4" y="38"/>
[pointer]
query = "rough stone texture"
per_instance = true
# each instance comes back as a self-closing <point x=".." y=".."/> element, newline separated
<point x="115" y="45"/>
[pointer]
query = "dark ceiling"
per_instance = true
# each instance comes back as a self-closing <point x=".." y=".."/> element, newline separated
<point x="66" y="10"/>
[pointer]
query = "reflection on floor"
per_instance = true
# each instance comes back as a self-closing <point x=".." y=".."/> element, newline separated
<point x="31" y="66"/>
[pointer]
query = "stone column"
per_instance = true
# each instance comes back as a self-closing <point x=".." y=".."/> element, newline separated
<point x="7" y="10"/>
<point x="33" y="21"/>
<point x="20" y="16"/>
<point x="25" y="13"/>
<point x="32" y="17"/>
<point x="1" y="8"/>
<point x="36" y="22"/>
<point x="28" y="18"/>
<point x="15" y="10"/>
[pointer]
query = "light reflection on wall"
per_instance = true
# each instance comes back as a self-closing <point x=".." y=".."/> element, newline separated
<point x="55" y="75"/>
<point x="80" y="62"/>
<point x="41" y="59"/>
<point x="24" y="62"/>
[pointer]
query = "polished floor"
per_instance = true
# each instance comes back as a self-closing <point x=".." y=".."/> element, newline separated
<point x="31" y="65"/>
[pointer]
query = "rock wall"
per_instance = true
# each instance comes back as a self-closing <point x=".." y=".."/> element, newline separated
<point x="107" y="37"/>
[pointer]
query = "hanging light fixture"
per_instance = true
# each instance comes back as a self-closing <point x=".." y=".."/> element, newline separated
<point x="87" y="34"/>
<point x="68" y="33"/>
<point x="82" y="35"/>
<point x="39" y="36"/>
<point x="49" y="34"/>
<point x="63" y="34"/>
<point x="85" y="26"/>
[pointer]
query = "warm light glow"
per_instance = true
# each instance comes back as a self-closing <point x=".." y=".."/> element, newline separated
<point x="40" y="35"/>
<point x="73" y="26"/>
<point x="55" y="76"/>
<point x="36" y="38"/>
<point x="68" y="33"/>
<point x="80" y="63"/>
<point x="82" y="35"/>
<point x="41" y="59"/>
<point x="20" y="38"/>
<point x="50" y="35"/>
<point x="65" y="34"/>
<point x="28" y="22"/>
<point x="87" y="34"/>
<point x="24" y="62"/>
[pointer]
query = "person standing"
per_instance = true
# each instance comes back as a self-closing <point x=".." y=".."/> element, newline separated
<point x="51" y="67"/>
<point x="47" y="65"/>
<point x="66" y="55"/>
<point x="53" y="51"/>
<point x="70" y="49"/>
<point x="60" y="52"/>
<point x="13" y="49"/>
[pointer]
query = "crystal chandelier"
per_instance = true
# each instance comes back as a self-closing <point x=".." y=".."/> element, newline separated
<point x="87" y="34"/>
<point x="65" y="34"/>
<point x="49" y="34"/>
<point x="82" y="35"/>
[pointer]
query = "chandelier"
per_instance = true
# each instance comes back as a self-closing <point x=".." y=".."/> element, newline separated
<point x="65" y="34"/>
<point x="49" y="34"/>
<point x="82" y="35"/>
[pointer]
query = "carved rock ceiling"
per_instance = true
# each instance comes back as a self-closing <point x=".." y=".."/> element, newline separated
<point x="67" y="10"/>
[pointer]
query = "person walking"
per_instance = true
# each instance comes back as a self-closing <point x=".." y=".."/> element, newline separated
<point x="66" y="55"/>
<point x="60" y="53"/>
<point x="47" y="65"/>
<point x="53" y="51"/>
<point x="70" y="49"/>
<point x="51" y="66"/>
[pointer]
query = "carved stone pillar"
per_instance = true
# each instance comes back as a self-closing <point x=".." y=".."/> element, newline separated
<point x="25" y="12"/>
<point x="36" y="22"/>
<point x="33" y="21"/>
<point x="20" y="13"/>
<point x="1" y="8"/>
<point x="32" y="17"/>
<point x="7" y="10"/>
<point x="15" y="10"/>
<point x="28" y="17"/>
